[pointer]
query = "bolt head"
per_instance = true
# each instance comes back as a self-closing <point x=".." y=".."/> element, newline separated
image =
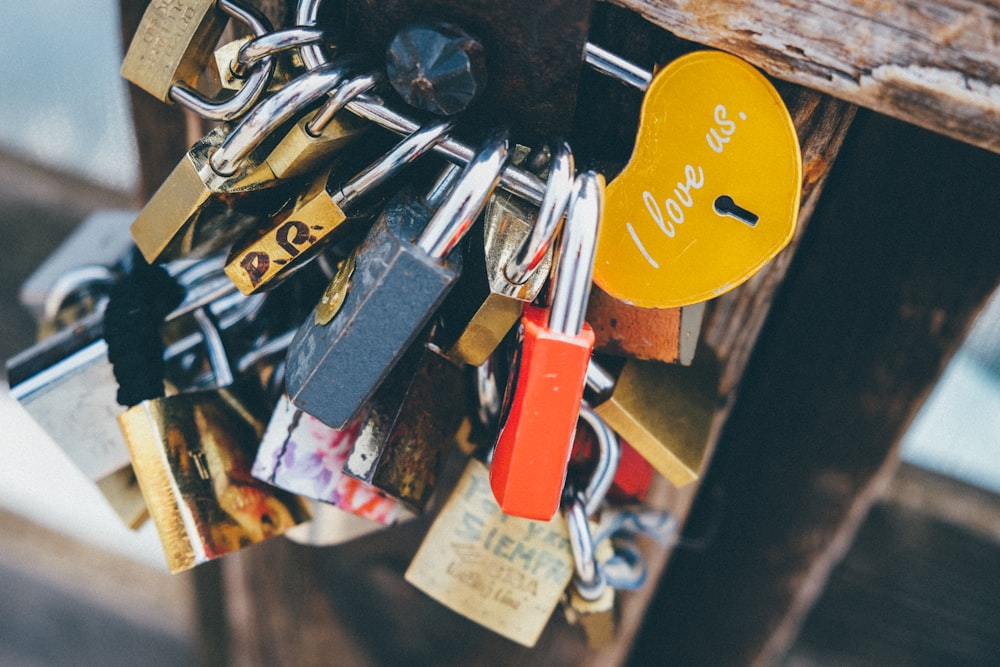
<point x="438" y="68"/>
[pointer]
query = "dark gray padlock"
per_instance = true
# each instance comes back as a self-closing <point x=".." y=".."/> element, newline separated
<point x="332" y="370"/>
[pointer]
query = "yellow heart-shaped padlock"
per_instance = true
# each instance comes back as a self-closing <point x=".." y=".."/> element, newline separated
<point x="711" y="192"/>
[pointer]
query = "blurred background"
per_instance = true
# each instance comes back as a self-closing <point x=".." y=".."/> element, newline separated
<point x="80" y="588"/>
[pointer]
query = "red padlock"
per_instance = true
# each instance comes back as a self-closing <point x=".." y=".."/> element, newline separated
<point x="536" y="434"/>
<point x="632" y="477"/>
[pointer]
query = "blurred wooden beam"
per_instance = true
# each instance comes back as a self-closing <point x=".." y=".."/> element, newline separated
<point x="880" y="294"/>
<point x="931" y="63"/>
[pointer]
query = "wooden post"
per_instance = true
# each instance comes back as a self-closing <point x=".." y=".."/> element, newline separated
<point x="897" y="261"/>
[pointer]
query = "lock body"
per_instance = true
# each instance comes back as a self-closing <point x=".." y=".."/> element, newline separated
<point x="663" y="334"/>
<point x="503" y="572"/>
<point x="302" y="455"/>
<point x="300" y="152"/>
<point x="411" y="421"/>
<point x="173" y="43"/>
<point x="68" y="387"/>
<point x="192" y="455"/>
<point x="597" y="618"/>
<point x="536" y="436"/>
<point x="263" y="256"/>
<point x="486" y="305"/>
<point x="197" y="211"/>
<point x="665" y="412"/>
<point x="334" y="369"/>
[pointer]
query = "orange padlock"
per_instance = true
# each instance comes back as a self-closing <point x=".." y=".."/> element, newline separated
<point x="536" y="433"/>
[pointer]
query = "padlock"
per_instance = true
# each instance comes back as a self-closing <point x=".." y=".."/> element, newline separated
<point x="663" y="410"/>
<point x="410" y="422"/>
<point x="223" y="186"/>
<point x="543" y="396"/>
<point x="590" y="601"/>
<point x="662" y="334"/>
<point x="694" y="222"/>
<point x="233" y="59"/>
<point x="503" y="572"/>
<point x="334" y="369"/>
<point x="192" y="454"/>
<point x="302" y="455"/>
<point x="99" y="240"/>
<point x="174" y="43"/>
<point x="300" y="230"/>
<point x="310" y="142"/>
<point x="633" y="477"/>
<point x="66" y="384"/>
<point x="512" y="261"/>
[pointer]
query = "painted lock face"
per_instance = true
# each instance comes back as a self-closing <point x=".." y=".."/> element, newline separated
<point x="711" y="192"/>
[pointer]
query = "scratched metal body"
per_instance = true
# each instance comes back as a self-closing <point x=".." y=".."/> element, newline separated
<point x="334" y="369"/>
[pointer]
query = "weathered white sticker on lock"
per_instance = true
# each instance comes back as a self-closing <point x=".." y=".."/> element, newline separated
<point x="503" y="572"/>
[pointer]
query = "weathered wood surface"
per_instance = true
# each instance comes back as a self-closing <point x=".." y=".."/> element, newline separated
<point x="880" y="293"/>
<point x="931" y="63"/>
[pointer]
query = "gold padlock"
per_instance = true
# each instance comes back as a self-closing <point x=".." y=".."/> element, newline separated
<point x="663" y="410"/>
<point x="299" y="231"/>
<point x="174" y="43"/>
<point x="316" y="136"/>
<point x="503" y="572"/>
<point x="192" y="454"/>
<point x="513" y="264"/>
<point x="223" y="186"/>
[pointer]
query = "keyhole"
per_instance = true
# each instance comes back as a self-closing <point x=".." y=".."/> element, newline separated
<point x="724" y="205"/>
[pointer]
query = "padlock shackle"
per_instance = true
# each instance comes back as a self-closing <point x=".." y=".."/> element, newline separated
<point x="271" y="113"/>
<point x="218" y="359"/>
<point x="599" y="381"/>
<point x="77" y="279"/>
<point x="558" y="188"/>
<point x="402" y="154"/>
<point x="609" y="455"/>
<point x="574" y="266"/>
<point x="442" y="186"/>
<point x="345" y="92"/>
<point x="254" y="85"/>
<point x="588" y="579"/>
<point x="306" y="14"/>
<point x="467" y="198"/>
<point x="513" y="179"/>
<point x="271" y="44"/>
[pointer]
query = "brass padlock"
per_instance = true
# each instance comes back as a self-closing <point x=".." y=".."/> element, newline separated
<point x="223" y="186"/>
<point x="663" y="410"/>
<point x="192" y="454"/>
<point x="174" y="43"/>
<point x="510" y="264"/>
<point x="319" y="134"/>
<point x="300" y="230"/>
<point x="233" y="59"/>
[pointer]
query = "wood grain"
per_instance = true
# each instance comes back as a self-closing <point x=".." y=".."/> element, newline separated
<point x="879" y="295"/>
<point x="930" y="63"/>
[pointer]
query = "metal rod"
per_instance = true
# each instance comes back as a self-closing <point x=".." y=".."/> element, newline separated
<point x="617" y="67"/>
